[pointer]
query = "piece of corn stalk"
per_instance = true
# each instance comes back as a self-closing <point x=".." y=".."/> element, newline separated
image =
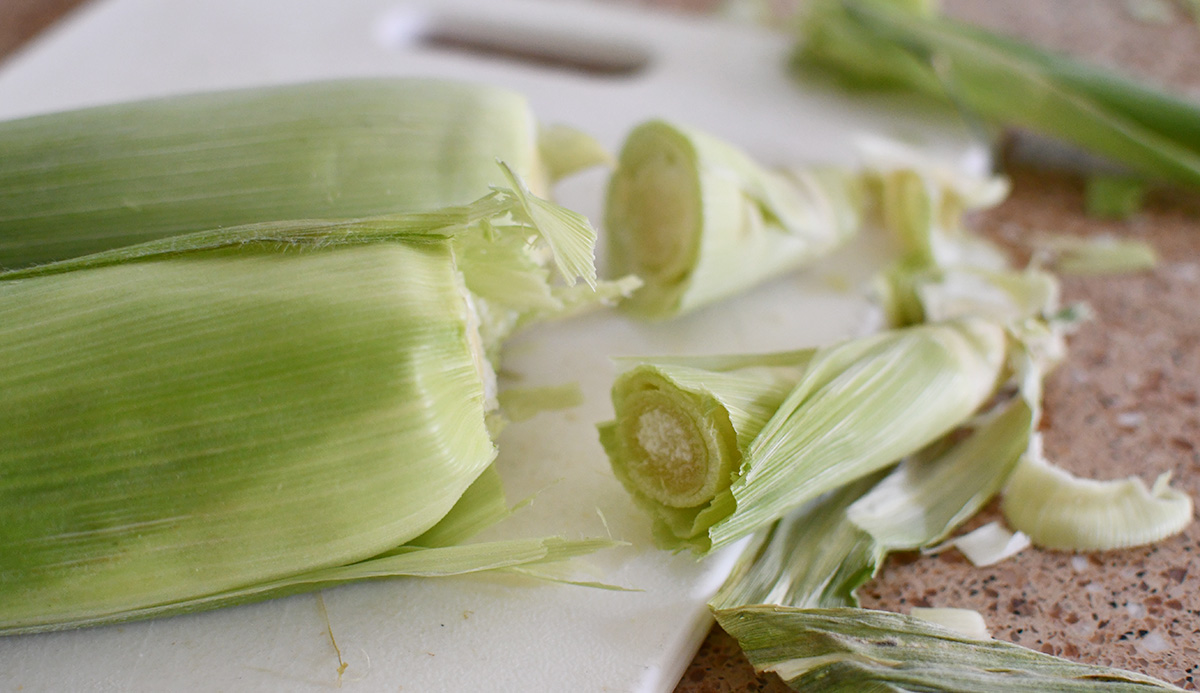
<point x="716" y="455"/>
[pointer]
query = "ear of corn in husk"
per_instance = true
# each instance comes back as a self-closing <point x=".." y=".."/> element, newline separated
<point x="714" y="456"/>
<point x="239" y="414"/>
<point x="846" y="649"/>
<point x="86" y="181"/>
<point x="698" y="220"/>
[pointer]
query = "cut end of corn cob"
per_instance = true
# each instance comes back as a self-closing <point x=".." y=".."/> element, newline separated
<point x="714" y="456"/>
<point x="674" y="449"/>
<point x="654" y="209"/>
<point x="699" y="221"/>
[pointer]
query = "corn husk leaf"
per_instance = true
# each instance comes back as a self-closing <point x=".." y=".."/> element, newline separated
<point x="816" y="650"/>
<point x="813" y="557"/>
<point x="569" y="234"/>
<point x="1113" y="197"/>
<point x="1061" y="511"/>
<point x="818" y="555"/>
<point x="1097" y="255"/>
<point x="1058" y="510"/>
<point x="988" y="544"/>
<point x="566" y="151"/>
<point x="930" y="494"/>
<point x="875" y="44"/>
<point x="964" y="621"/>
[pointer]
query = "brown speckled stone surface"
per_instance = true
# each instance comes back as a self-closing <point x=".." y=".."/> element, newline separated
<point x="1127" y="401"/>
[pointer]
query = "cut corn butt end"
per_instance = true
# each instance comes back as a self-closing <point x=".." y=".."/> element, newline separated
<point x="698" y="220"/>
<point x="714" y="456"/>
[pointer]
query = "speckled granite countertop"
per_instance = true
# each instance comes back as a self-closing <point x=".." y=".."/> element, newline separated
<point x="1126" y="402"/>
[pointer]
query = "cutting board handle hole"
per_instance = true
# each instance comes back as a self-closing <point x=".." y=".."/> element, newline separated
<point x="542" y="47"/>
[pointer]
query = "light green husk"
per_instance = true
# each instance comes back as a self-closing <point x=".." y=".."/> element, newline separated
<point x="876" y="44"/>
<point x="233" y="415"/>
<point x="716" y="455"/>
<point x="90" y="180"/>
<point x="818" y="555"/>
<point x="699" y="221"/>
<point x="988" y="544"/>
<point x="861" y="650"/>
<point x="944" y="271"/>
<point x="1097" y="255"/>
<point x="566" y="151"/>
<point x="1113" y="197"/>
<point x="1061" y="511"/>
<point x="968" y="622"/>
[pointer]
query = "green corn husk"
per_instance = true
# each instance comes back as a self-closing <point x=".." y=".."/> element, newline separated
<point x="1058" y="510"/>
<point x="233" y="415"/>
<point x="880" y="44"/>
<point x="813" y="557"/>
<point x="1096" y="255"/>
<point x="861" y="650"/>
<point x="697" y="220"/>
<point x="716" y="455"/>
<point x="86" y="181"/>
<point x="966" y="622"/>
<point x="1061" y="511"/>
<point x="819" y="555"/>
<point x="943" y="270"/>
<point x="1113" y="197"/>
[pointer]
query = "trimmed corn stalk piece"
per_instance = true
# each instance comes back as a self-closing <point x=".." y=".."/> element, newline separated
<point x="86" y="181"/>
<point x="715" y="456"/>
<point x="232" y="415"/>
<point x="697" y="220"/>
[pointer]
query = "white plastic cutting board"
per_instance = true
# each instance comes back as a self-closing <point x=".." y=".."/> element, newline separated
<point x="482" y="632"/>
